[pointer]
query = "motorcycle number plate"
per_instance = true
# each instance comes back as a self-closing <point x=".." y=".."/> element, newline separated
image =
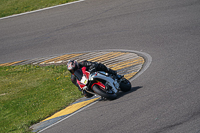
<point x="84" y="80"/>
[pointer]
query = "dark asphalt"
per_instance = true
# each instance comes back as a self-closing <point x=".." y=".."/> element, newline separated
<point x="165" y="98"/>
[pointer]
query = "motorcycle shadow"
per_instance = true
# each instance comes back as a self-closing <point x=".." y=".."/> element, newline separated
<point x="133" y="89"/>
<point x="121" y="93"/>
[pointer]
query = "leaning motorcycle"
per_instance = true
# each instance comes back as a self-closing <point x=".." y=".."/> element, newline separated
<point x="101" y="83"/>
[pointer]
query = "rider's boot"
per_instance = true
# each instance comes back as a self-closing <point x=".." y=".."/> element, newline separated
<point x="112" y="72"/>
<point x="86" y="94"/>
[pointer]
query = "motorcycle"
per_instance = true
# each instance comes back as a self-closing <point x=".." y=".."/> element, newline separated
<point x="101" y="83"/>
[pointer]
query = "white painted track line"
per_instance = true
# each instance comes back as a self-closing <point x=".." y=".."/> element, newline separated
<point x="41" y="9"/>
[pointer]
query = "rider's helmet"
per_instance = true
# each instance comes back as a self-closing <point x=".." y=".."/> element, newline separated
<point x="72" y="66"/>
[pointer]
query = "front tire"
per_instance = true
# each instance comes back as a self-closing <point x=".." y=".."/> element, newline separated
<point x="102" y="93"/>
<point x="125" y="85"/>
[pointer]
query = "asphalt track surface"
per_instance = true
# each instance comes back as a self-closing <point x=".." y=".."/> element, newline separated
<point x="165" y="98"/>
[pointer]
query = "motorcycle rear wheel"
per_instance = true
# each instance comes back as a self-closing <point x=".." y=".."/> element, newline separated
<point x="102" y="93"/>
<point x="125" y="85"/>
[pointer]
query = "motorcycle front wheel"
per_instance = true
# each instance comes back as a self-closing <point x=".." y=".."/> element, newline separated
<point x="125" y="85"/>
<point x="103" y="93"/>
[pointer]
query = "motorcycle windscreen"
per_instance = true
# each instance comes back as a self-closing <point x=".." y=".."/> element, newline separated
<point x="79" y="74"/>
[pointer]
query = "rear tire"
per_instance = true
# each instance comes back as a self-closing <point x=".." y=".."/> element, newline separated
<point x="102" y="93"/>
<point x="125" y="85"/>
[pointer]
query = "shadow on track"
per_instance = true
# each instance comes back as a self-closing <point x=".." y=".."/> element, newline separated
<point x="121" y="94"/>
<point x="133" y="89"/>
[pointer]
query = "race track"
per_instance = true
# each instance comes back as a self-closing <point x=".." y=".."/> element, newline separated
<point x="165" y="98"/>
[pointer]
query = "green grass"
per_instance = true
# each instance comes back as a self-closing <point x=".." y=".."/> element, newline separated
<point x="10" y="7"/>
<point x="28" y="94"/>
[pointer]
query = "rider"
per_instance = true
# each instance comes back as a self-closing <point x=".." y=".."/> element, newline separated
<point x="73" y="65"/>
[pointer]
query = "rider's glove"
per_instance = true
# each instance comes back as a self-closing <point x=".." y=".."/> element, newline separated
<point x="92" y="69"/>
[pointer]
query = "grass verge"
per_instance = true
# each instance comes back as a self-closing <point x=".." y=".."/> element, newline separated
<point x="10" y="7"/>
<point x="28" y="94"/>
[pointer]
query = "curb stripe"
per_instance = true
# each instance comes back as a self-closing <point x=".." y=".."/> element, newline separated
<point x="128" y="63"/>
<point x="70" y="109"/>
<point x="128" y="76"/>
<point x="124" y="62"/>
<point x="103" y="57"/>
<point x="50" y="125"/>
<point x="90" y="55"/>
<point x="61" y="58"/>
<point x="119" y="59"/>
<point x="11" y="63"/>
